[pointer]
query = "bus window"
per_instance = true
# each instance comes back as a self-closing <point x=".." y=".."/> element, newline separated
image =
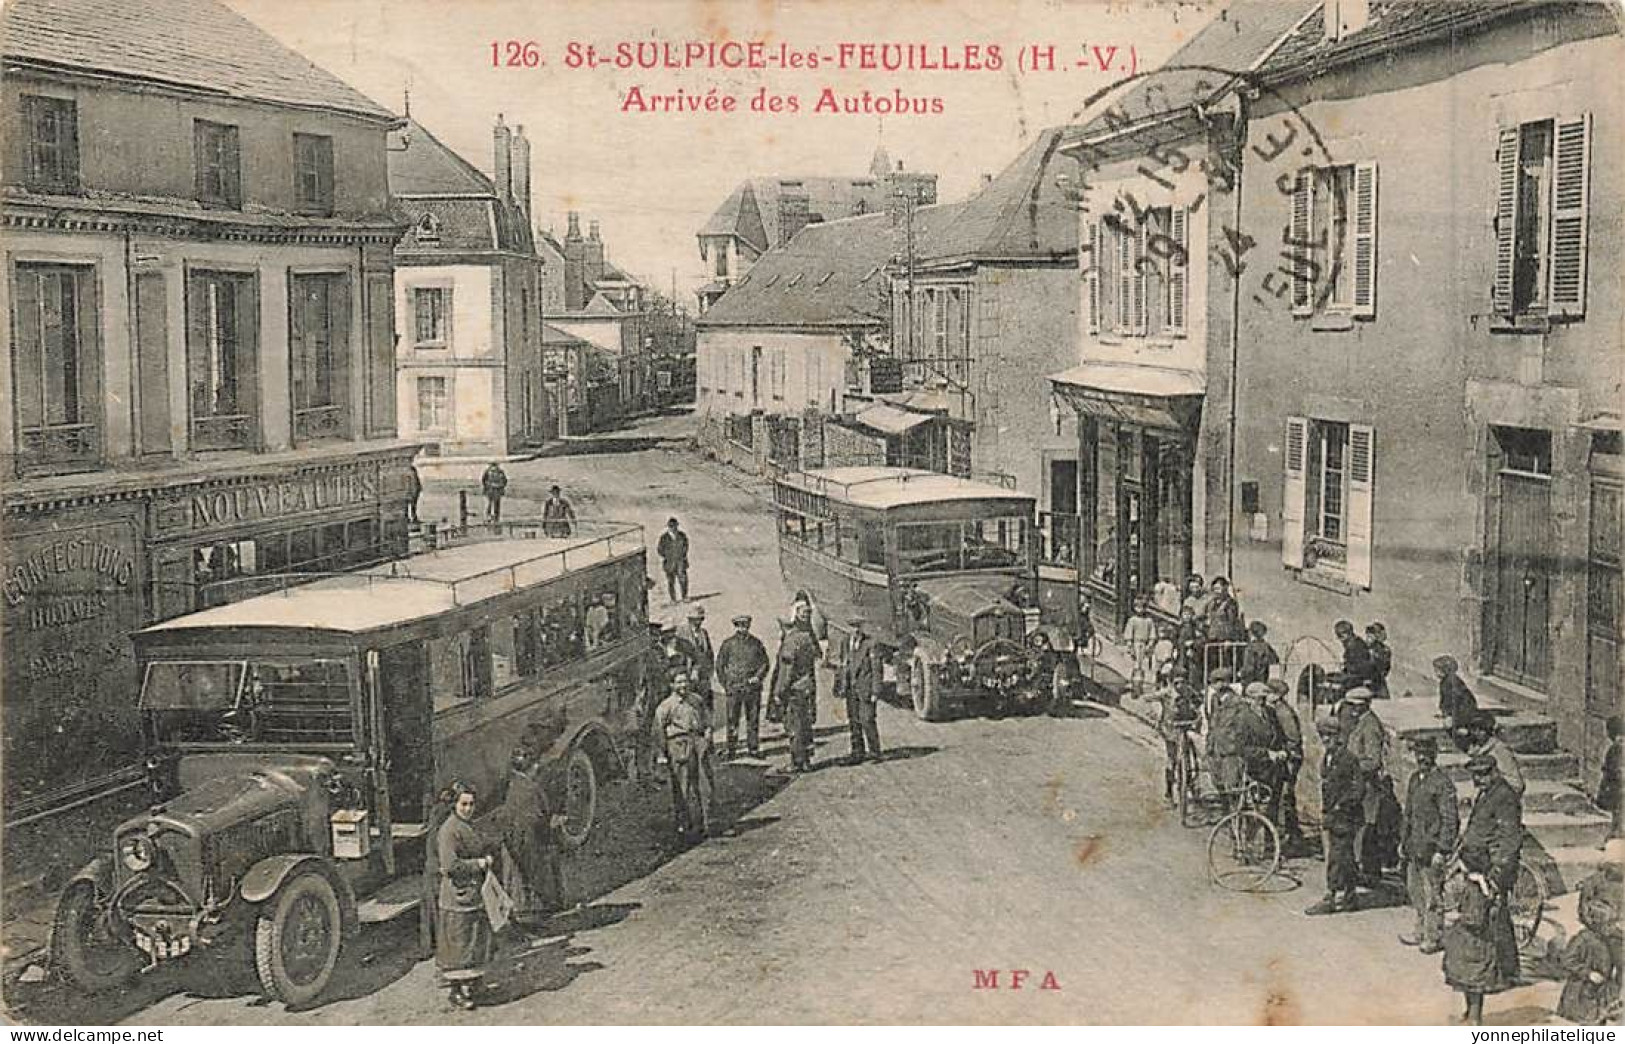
<point x="930" y="547"/>
<point x="504" y="654"/>
<point x="995" y="543"/>
<point x="299" y="702"/>
<point x="603" y="619"/>
<point x="446" y="672"/>
<point x="793" y="527"/>
<point x="527" y="639"/>
<point x="846" y="539"/>
<point x="871" y="545"/>
<point x="477" y="663"/>
<point x="561" y="632"/>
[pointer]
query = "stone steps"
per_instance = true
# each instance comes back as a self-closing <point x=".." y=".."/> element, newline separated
<point x="1540" y="795"/>
<point x="1557" y="766"/>
<point x="1575" y="863"/>
<point x="1524" y="733"/>
<point x="1555" y="830"/>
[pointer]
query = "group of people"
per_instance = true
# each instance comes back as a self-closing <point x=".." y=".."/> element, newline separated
<point x="558" y="514"/>
<point x="685" y="671"/>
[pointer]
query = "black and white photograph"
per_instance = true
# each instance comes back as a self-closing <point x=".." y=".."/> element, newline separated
<point x="793" y="513"/>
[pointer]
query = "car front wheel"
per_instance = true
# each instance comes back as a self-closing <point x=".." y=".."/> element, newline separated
<point x="297" y="939"/>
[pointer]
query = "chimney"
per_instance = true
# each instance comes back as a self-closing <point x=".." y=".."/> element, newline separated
<point x="987" y="179"/>
<point x="521" y="170"/>
<point x="592" y="231"/>
<point x="502" y="148"/>
<point x="574" y="296"/>
<point x="592" y="261"/>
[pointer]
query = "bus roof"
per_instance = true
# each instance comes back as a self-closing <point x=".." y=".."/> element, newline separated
<point x="881" y="488"/>
<point x="417" y="586"/>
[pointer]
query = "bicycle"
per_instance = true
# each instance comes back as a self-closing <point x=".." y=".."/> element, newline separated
<point x="1244" y="848"/>
<point x="1186" y="769"/>
<point x="1526" y="903"/>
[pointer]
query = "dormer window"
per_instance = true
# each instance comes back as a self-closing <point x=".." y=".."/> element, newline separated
<point x="428" y="229"/>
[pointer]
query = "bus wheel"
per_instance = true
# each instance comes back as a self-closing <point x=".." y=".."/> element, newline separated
<point x="580" y="797"/>
<point x="923" y="687"/>
<point x="85" y="948"/>
<point x="297" y="939"/>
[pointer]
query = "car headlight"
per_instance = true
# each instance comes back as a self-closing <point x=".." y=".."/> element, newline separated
<point x="135" y="852"/>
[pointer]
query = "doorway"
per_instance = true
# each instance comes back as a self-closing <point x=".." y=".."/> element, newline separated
<point x="403" y="680"/>
<point x="1521" y="579"/>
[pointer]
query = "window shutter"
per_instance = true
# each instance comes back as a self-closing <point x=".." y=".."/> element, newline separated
<point x="1303" y="194"/>
<point x="1362" y="476"/>
<point x="1141" y="308"/>
<point x="201" y="162"/>
<point x="1125" y="281"/>
<point x="1091" y="277"/>
<point x="1178" y="267"/>
<point x="1571" y="166"/>
<point x="1365" y="239"/>
<point x="1506" y="220"/>
<point x="1294" y="491"/>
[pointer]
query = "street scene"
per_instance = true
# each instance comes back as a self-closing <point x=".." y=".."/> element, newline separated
<point x="1155" y="564"/>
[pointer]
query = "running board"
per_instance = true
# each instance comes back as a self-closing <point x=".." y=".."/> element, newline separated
<point x="396" y="899"/>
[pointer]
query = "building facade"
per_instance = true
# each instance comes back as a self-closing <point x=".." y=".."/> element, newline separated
<point x="607" y="308"/>
<point x="1428" y="428"/>
<point x="468" y="285"/>
<point x="199" y="367"/>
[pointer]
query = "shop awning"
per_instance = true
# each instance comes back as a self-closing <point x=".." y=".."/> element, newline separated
<point x="1150" y="396"/>
<point x="890" y="419"/>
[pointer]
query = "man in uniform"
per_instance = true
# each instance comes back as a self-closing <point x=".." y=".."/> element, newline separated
<point x="855" y="678"/>
<point x="1431" y="822"/>
<point x="695" y="642"/>
<point x="1341" y="797"/>
<point x="685" y="726"/>
<point x="741" y="666"/>
<point x="795" y="686"/>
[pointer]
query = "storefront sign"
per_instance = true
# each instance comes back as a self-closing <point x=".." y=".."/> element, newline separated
<point x="298" y="495"/>
<point x="69" y="598"/>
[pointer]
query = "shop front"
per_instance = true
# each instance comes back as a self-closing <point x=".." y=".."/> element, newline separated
<point x="1136" y="450"/>
<point x="86" y="562"/>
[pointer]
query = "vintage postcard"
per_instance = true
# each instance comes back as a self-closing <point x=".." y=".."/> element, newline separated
<point x="812" y="512"/>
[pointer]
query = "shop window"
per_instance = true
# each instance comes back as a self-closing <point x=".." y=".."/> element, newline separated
<point x="215" y="565"/>
<point x="1102" y="566"/>
<point x="53" y="143"/>
<point x="361" y="542"/>
<point x="219" y="164"/>
<point x="221" y="354"/>
<point x="57" y="372"/>
<point x="313" y="173"/>
<point x="319" y="346"/>
<point x="1328" y="495"/>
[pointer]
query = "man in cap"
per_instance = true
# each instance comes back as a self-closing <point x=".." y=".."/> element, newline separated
<point x="1357" y="665"/>
<point x="1341" y="817"/>
<point x="1478" y="736"/>
<point x="855" y="678"/>
<point x="1240" y="742"/>
<point x="795" y="687"/>
<point x="1367" y="740"/>
<point x="1431" y="822"/>
<point x="685" y="725"/>
<point x="695" y="641"/>
<point x="1290" y="734"/>
<point x="1489" y="854"/>
<point x="741" y="666"/>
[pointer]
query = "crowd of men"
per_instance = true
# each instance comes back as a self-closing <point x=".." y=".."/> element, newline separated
<point x="685" y="671"/>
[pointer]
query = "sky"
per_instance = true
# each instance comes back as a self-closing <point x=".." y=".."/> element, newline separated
<point x="653" y="178"/>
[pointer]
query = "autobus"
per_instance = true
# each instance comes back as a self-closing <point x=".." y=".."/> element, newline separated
<point x="940" y="569"/>
<point x="297" y="739"/>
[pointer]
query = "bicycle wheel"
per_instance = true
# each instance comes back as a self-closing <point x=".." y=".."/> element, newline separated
<point x="1243" y="851"/>
<point x="1528" y="902"/>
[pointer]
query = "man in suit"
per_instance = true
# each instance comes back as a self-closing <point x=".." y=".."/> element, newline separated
<point x="856" y="677"/>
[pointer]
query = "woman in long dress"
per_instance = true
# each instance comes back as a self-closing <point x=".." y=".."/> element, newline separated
<point x="463" y="932"/>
